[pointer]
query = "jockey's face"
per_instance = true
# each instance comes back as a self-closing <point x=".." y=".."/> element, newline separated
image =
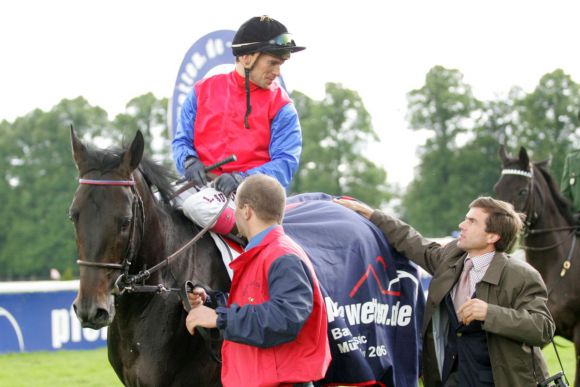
<point x="265" y="70"/>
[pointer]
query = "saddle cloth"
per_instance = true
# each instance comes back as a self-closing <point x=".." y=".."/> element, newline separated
<point x="373" y="295"/>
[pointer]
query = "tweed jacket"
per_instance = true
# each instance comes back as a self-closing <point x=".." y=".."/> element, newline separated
<point x="517" y="322"/>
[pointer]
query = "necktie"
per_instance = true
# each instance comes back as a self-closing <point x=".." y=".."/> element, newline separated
<point x="463" y="292"/>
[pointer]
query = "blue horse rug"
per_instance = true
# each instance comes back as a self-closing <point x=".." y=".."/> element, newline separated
<point x="373" y="295"/>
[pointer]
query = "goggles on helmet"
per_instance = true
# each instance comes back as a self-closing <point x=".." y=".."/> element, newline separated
<point x="283" y="40"/>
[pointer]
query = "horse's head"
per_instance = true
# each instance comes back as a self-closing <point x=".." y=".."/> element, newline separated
<point x="514" y="185"/>
<point x="105" y="213"/>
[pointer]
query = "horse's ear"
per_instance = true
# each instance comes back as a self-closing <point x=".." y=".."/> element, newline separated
<point x="132" y="157"/>
<point x="523" y="156"/>
<point x="502" y="154"/>
<point x="78" y="148"/>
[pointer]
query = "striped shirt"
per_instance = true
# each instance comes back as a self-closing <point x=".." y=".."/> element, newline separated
<point x="480" y="266"/>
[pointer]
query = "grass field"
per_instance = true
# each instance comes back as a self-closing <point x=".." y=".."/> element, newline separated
<point x="566" y="351"/>
<point x="92" y="369"/>
<point x="57" y="369"/>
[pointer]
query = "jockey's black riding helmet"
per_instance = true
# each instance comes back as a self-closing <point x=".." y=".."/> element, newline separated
<point x="264" y="34"/>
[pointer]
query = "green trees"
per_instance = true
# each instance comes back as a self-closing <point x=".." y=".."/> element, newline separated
<point x="549" y="118"/>
<point x="38" y="183"/>
<point x="39" y="180"/>
<point x="148" y="114"/>
<point x="459" y="162"/>
<point x="444" y="106"/>
<point x="335" y="132"/>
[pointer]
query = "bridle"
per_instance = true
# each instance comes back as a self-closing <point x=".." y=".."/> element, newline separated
<point x="530" y="208"/>
<point x="135" y="283"/>
<point x="529" y="205"/>
<point x="137" y="210"/>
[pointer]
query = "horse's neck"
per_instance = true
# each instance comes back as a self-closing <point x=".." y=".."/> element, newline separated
<point x="546" y="209"/>
<point x="160" y="236"/>
<point x="166" y="232"/>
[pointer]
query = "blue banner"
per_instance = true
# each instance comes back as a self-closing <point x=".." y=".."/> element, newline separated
<point x="373" y="295"/>
<point x="207" y="53"/>
<point x="37" y="316"/>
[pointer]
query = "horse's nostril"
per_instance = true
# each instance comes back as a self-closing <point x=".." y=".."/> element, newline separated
<point x="101" y="315"/>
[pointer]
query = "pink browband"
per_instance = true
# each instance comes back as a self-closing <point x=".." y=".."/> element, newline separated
<point x="107" y="182"/>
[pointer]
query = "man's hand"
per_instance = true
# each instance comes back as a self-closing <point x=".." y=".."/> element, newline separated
<point x="195" y="171"/>
<point x="474" y="309"/>
<point x="356" y="206"/>
<point x="201" y="316"/>
<point x="228" y="183"/>
<point x="197" y="297"/>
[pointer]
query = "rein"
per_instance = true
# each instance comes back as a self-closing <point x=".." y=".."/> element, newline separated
<point x="130" y="283"/>
<point x="127" y="282"/>
<point x="551" y="229"/>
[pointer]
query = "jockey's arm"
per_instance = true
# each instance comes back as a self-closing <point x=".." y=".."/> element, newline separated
<point x="182" y="143"/>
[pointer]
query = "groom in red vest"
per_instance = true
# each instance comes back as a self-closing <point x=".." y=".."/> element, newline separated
<point x="274" y="324"/>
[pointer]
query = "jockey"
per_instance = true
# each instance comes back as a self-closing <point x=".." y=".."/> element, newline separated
<point x="245" y="112"/>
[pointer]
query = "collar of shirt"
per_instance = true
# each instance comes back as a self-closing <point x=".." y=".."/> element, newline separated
<point x="480" y="265"/>
<point x="259" y="237"/>
<point x="481" y="262"/>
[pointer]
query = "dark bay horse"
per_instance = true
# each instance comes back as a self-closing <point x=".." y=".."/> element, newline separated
<point x="550" y="238"/>
<point x="121" y="226"/>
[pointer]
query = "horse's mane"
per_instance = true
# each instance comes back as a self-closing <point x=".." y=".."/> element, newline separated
<point x="159" y="176"/>
<point x="154" y="173"/>
<point x="564" y="206"/>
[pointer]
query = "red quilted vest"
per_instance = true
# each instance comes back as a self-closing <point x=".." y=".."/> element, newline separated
<point x="304" y="359"/>
<point x="219" y="125"/>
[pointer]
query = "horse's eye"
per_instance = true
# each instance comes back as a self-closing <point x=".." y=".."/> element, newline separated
<point x="73" y="216"/>
<point x="125" y="223"/>
<point x="523" y="192"/>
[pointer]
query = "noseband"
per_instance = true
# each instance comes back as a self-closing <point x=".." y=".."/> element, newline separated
<point x="137" y="209"/>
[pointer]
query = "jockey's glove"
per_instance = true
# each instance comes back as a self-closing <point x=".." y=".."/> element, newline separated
<point x="195" y="171"/>
<point x="228" y="182"/>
